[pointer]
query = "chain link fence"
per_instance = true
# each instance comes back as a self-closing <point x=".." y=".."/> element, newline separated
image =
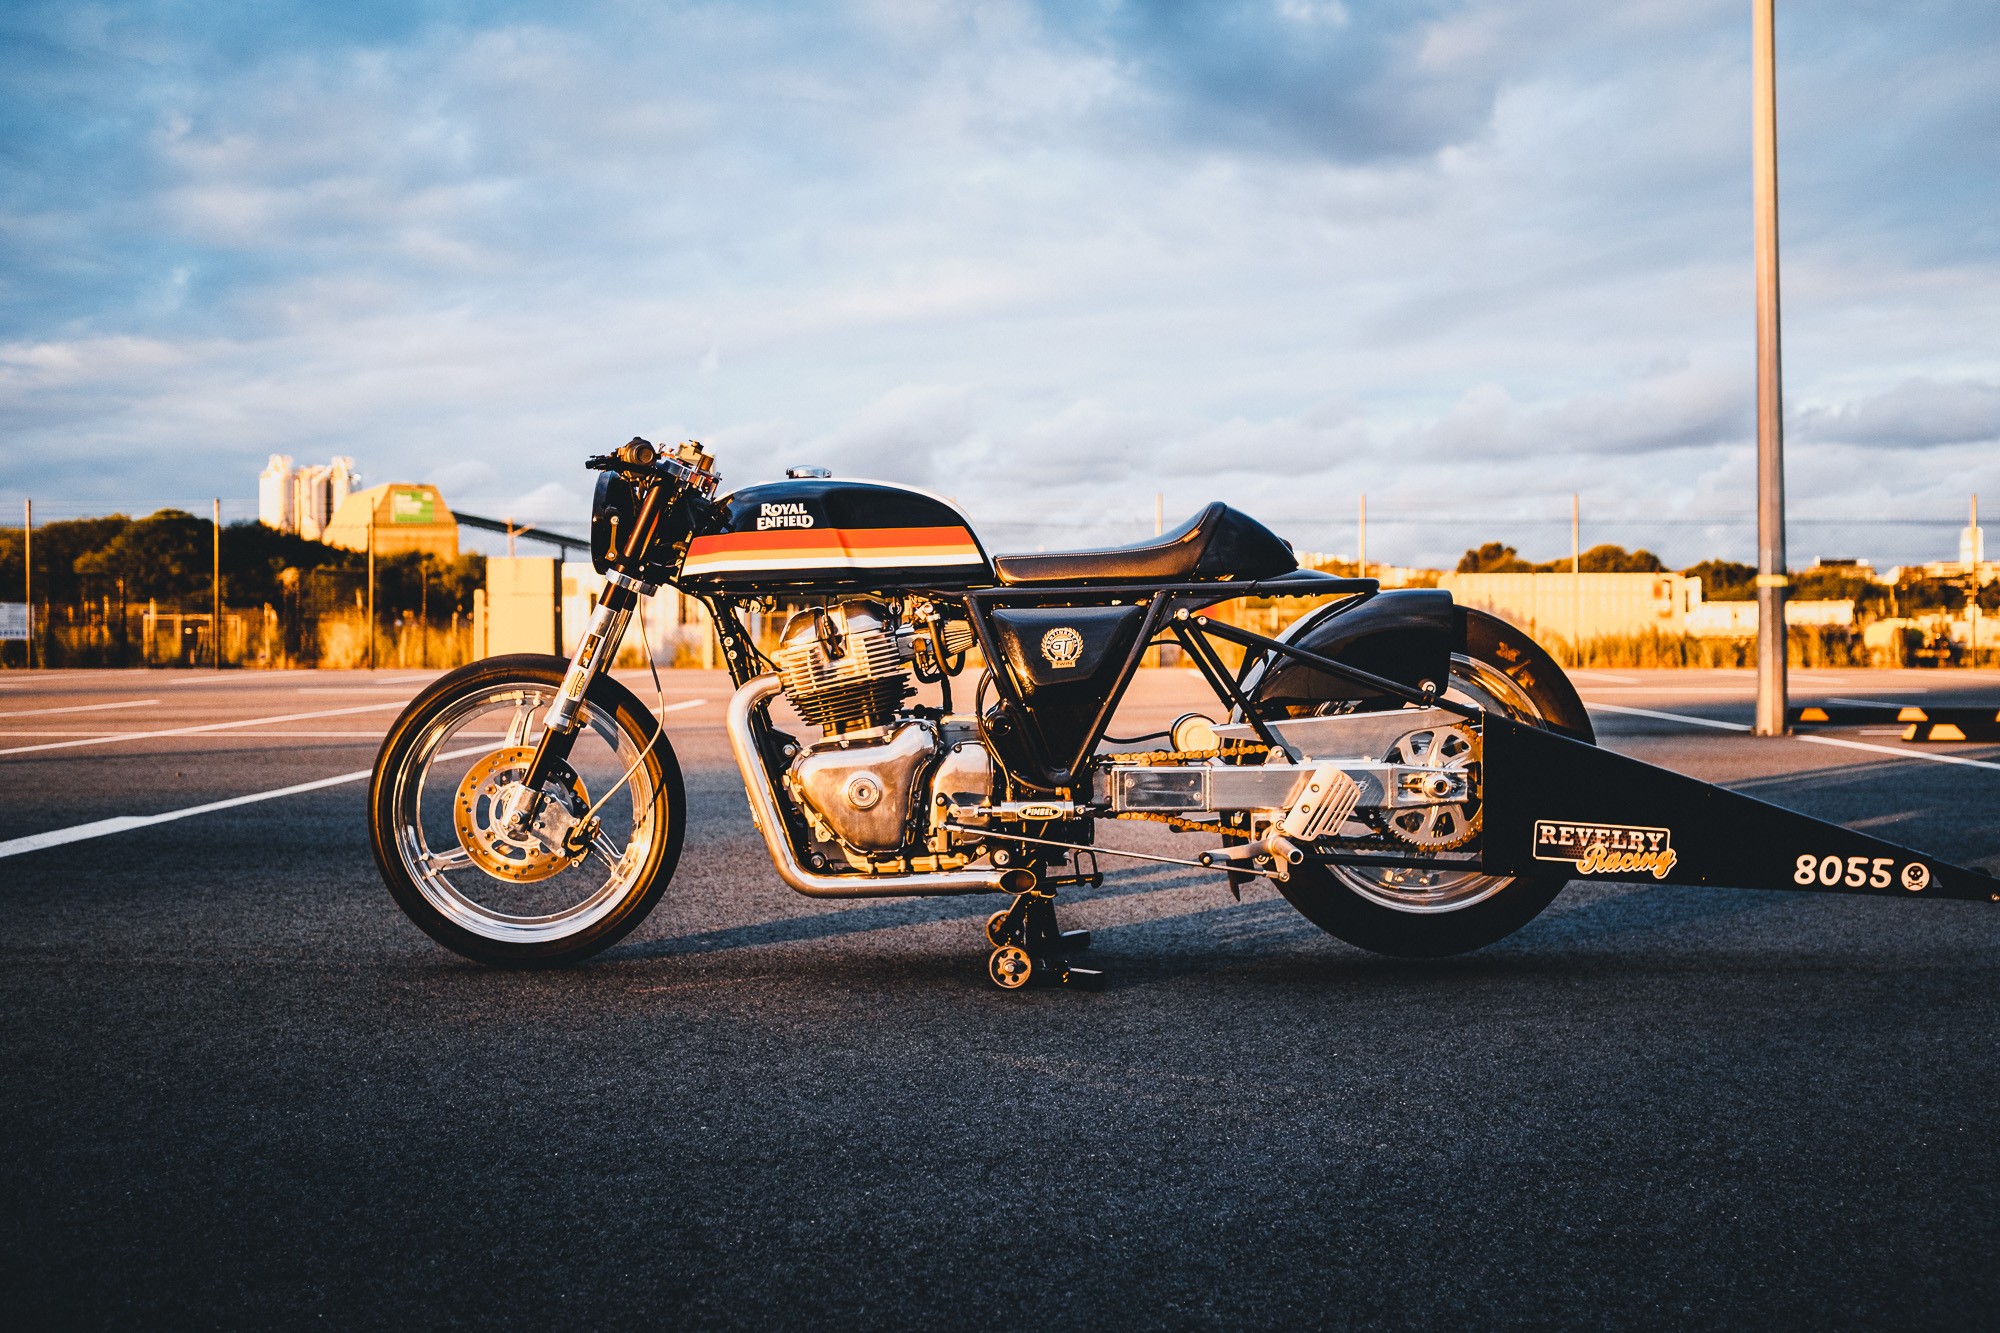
<point x="87" y="615"/>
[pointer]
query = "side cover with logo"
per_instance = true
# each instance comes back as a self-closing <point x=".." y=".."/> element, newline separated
<point x="1065" y="660"/>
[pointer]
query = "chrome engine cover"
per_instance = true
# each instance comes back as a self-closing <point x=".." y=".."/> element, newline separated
<point x="963" y="782"/>
<point x="862" y="790"/>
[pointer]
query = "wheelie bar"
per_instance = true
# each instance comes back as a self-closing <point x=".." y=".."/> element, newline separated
<point x="1031" y="949"/>
<point x="1554" y="804"/>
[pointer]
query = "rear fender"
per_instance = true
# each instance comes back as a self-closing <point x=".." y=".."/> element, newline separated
<point x="1406" y="635"/>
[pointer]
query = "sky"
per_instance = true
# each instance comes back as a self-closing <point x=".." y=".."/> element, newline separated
<point x="1465" y="257"/>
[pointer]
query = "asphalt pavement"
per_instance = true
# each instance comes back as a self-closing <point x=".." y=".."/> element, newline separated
<point x="239" y="1089"/>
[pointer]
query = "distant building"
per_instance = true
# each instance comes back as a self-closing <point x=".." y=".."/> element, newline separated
<point x="1389" y="576"/>
<point x="304" y="499"/>
<point x="1581" y="606"/>
<point x="1738" y="620"/>
<point x="277" y="505"/>
<point x="402" y="516"/>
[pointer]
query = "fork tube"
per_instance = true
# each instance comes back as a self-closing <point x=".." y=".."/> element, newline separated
<point x="600" y="643"/>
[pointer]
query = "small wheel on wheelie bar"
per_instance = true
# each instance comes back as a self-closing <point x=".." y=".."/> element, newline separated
<point x="1010" y="967"/>
<point x="993" y="924"/>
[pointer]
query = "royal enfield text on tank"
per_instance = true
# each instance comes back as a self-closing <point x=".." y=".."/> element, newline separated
<point x="1418" y="778"/>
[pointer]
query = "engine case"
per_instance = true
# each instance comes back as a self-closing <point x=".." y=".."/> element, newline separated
<point x="863" y="790"/>
<point x="962" y="782"/>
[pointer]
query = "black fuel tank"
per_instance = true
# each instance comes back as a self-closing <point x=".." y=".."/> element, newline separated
<point x="830" y="535"/>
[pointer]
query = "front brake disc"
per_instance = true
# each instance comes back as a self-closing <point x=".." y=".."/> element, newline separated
<point x="482" y="808"/>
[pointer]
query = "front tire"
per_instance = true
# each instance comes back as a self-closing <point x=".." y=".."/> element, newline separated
<point x="437" y="804"/>
<point x="1434" y="914"/>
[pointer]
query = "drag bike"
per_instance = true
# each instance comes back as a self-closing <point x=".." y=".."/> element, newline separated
<point x="1416" y="777"/>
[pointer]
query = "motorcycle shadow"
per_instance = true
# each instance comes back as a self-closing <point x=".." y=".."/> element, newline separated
<point x="1153" y="929"/>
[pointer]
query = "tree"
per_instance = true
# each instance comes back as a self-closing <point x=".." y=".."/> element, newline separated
<point x="1493" y="558"/>
<point x="57" y="546"/>
<point x="168" y="555"/>
<point x="1608" y="559"/>
<point x="255" y="559"/>
<point x="1724" y="580"/>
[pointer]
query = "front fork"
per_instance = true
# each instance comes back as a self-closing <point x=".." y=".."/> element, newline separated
<point x="559" y="727"/>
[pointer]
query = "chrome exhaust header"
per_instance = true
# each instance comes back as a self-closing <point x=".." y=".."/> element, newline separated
<point x="764" y="813"/>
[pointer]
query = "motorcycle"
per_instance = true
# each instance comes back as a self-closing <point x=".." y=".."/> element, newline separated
<point x="1416" y="777"/>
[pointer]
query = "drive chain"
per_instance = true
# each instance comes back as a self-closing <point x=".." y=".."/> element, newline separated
<point x="1162" y="758"/>
<point x="1158" y="758"/>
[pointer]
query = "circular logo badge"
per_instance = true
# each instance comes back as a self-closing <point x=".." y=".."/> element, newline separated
<point x="1062" y="646"/>
<point x="1916" y="877"/>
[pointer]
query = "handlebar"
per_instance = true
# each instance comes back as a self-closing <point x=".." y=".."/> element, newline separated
<point x="640" y="460"/>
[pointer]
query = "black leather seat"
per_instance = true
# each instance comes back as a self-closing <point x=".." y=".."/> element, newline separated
<point x="1219" y="543"/>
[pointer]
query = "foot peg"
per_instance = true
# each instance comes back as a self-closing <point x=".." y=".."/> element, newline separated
<point x="1273" y="847"/>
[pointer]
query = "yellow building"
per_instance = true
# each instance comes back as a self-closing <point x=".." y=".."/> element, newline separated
<point x="1581" y="606"/>
<point x="402" y="516"/>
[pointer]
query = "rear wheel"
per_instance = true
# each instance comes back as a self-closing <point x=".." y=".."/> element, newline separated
<point x="571" y="881"/>
<point x="1413" y="913"/>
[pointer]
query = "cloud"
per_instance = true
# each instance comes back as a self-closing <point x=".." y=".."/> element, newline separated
<point x="1916" y="414"/>
<point x="1051" y="259"/>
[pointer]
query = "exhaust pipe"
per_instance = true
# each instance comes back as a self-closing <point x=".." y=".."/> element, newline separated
<point x="764" y="813"/>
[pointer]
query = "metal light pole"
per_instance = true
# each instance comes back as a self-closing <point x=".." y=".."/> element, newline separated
<point x="1770" y="389"/>
<point x="371" y="586"/>
<point x="215" y="585"/>
<point x="1361" y="556"/>
<point x="28" y="576"/>
<point x="1972" y="559"/>
<point x="1576" y="578"/>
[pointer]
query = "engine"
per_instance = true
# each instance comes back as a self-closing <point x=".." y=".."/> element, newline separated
<point x="844" y="668"/>
<point x="870" y="786"/>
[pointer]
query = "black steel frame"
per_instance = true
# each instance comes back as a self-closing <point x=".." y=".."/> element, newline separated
<point x="1169" y="611"/>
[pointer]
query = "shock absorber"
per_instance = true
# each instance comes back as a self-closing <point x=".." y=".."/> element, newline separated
<point x="600" y="642"/>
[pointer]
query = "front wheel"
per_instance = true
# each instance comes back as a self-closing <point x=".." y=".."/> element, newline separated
<point x="1412" y="913"/>
<point x="445" y="801"/>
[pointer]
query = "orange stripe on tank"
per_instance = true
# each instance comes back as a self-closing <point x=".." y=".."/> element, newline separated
<point x="835" y="542"/>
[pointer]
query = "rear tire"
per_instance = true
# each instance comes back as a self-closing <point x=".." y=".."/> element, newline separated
<point x="531" y="915"/>
<point x="1501" y="669"/>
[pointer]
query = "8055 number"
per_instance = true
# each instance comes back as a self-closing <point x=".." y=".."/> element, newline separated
<point x="1858" y="872"/>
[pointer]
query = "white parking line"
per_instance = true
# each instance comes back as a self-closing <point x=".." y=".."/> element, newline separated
<point x="1900" y="753"/>
<point x="1892" y="751"/>
<point x="354" y="689"/>
<point x="35" y="842"/>
<point x="1665" y="717"/>
<point x="1740" y="691"/>
<point x="369" y="736"/>
<point x="78" y="708"/>
<point x="189" y="731"/>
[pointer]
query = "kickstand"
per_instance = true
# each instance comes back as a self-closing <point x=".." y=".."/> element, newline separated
<point x="1030" y="948"/>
